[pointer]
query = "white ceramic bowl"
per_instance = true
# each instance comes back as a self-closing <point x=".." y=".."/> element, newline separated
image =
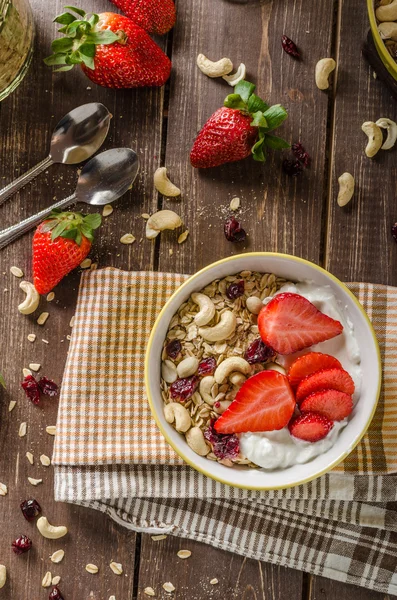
<point x="294" y="269"/>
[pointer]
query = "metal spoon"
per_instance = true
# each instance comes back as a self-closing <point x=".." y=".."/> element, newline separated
<point x="103" y="180"/>
<point x="76" y="137"/>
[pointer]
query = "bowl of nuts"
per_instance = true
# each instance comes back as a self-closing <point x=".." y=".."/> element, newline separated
<point x="383" y="20"/>
<point x="263" y="371"/>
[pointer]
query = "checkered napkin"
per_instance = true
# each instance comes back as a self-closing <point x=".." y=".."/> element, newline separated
<point x="110" y="455"/>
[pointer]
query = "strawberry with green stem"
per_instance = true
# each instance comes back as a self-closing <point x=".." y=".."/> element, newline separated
<point x="110" y="48"/>
<point x="60" y="243"/>
<point x="240" y="128"/>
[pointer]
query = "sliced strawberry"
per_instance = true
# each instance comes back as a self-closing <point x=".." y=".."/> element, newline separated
<point x="290" y="323"/>
<point x="265" y="402"/>
<point x="310" y="427"/>
<point x="309" y="364"/>
<point x="327" y="379"/>
<point x="333" y="404"/>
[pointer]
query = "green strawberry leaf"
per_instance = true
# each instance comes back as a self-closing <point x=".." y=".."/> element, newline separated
<point x="87" y="232"/>
<point x="275" y="115"/>
<point x="77" y="27"/>
<point x="244" y="89"/>
<point x="79" y="238"/>
<point x="67" y="68"/>
<point x="258" y="120"/>
<point x="55" y="59"/>
<point x="88" y="50"/>
<point x="61" y="45"/>
<point x="102" y="37"/>
<point x="79" y="11"/>
<point x="93" y="20"/>
<point x="257" y="151"/>
<point x="88" y="61"/>
<point x="64" y="19"/>
<point x="235" y="101"/>
<point x="93" y="220"/>
<point x="59" y="229"/>
<point x="2" y="381"/>
<point x="276" y="143"/>
<point x="69" y="234"/>
<point x="255" y="103"/>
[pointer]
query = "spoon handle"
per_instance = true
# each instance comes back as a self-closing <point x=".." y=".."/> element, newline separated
<point x="15" y="231"/>
<point x="17" y="184"/>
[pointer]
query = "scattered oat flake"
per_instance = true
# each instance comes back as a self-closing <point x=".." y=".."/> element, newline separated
<point x="26" y="372"/>
<point x="93" y="569"/>
<point x="168" y="587"/>
<point x="235" y="204"/>
<point x="69" y="337"/>
<point x="46" y="582"/>
<point x="149" y="591"/>
<point x="50" y="297"/>
<point x="3" y="489"/>
<point x="112" y="597"/>
<point x="12" y="405"/>
<point x="71" y="322"/>
<point x="107" y="210"/>
<point x="43" y="318"/>
<point x="23" y="429"/>
<point x="117" y="568"/>
<point x="35" y="481"/>
<point x="214" y="581"/>
<point x="170" y="252"/>
<point x="145" y="216"/>
<point x="51" y="429"/>
<point x="157" y="538"/>
<point x="16" y="272"/>
<point x="127" y="238"/>
<point x="30" y="457"/>
<point x="35" y="366"/>
<point x="184" y="554"/>
<point x="45" y="341"/>
<point x="94" y="267"/>
<point x="31" y="337"/>
<point x="45" y="460"/>
<point x="85" y="263"/>
<point x="57" y="556"/>
<point x="55" y="580"/>
<point x="183" y="237"/>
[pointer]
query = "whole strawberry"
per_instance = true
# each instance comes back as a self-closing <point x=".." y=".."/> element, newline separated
<point x="111" y="49"/>
<point x="154" y="16"/>
<point x="60" y="243"/>
<point x="240" y="128"/>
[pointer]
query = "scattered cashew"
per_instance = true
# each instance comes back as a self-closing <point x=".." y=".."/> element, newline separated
<point x="178" y="413"/>
<point x="196" y="441"/>
<point x="388" y="31"/>
<point x="163" y="219"/>
<point x="324" y="68"/>
<point x="207" y="309"/>
<point x="375" y="138"/>
<point x="222" y="331"/>
<point x="391" y="127"/>
<point x="3" y="576"/>
<point x="49" y="531"/>
<point x="205" y="388"/>
<point x="236" y="77"/>
<point x="168" y="371"/>
<point x="230" y="365"/>
<point x="222" y="67"/>
<point x="164" y="185"/>
<point x="237" y="379"/>
<point x="254" y="305"/>
<point x="187" y="367"/>
<point x="275" y="367"/>
<point x="387" y="12"/>
<point x="31" y="302"/>
<point x="346" y="189"/>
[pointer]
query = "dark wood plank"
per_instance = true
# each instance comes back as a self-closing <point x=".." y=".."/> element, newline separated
<point x="26" y="122"/>
<point x="328" y="589"/>
<point x="238" y="578"/>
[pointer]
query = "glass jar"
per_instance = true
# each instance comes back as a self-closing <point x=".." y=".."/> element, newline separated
<point x="16" y="43"/>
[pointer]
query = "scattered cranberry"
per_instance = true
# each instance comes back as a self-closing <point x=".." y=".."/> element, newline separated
<point x="394" y="231"/>
<point x="224" y="445"/>
<point x="31" y="388"/>
<point x="30" y="509"/>
<point x="235" y="290"/>
<point x="258" y="352"/>
<point x="292" y="167"/>
<point x="207" y="366"/>
<point x="21" y="544"/>
<point x="217" y="404"/>
<point x="233" y="230"/>
<point x="48" y="387"/>
<point x="301" y="154"/>
<point x="290" y="47"/>
<point x="183" y="389"/>
<point x="173" y="348"/>
<point x="55" y="594"/>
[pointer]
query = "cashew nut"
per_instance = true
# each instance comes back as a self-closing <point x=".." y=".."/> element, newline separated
<point x="238" y="76"/>
<point x="168" y="371"/>
<point x="3" y="576"/>
<point x="391" y="127"/>
<point x="254" y="305"/>
<point x="163" y="219"/>
<point x="164" y="185"/>
<point x="275" y="367"/>
<point x="346" y="189"/>
<point x="388" y="31"/>
<point x="223" y="330"/>
<point x="207" y="309"/>
<point x="187" y="367"/>
<point x="237" y="379"/>
<point x="178" y="413"/>
<point x="375" y="138"/>
<point x="205" y="389"/>
<point x="230" y="365"/>
<point x="31" y="302"/>
<point x="324" y="68"/>
<point x="49" y="531"/>
<point x="387" y="12"/>
<point x="222" y="67"/>
<point x="220" y="407"/>
<point x="195" y="439"/>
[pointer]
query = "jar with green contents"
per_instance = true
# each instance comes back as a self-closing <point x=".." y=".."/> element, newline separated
<point x="16" y="43"/>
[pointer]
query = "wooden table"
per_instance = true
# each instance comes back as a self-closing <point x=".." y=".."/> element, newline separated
<point x="295" y="215"/>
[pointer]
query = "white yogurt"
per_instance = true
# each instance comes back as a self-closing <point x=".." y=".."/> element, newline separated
<point x="278" y="449"/>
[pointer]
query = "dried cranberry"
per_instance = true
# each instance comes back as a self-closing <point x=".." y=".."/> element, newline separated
<point x="394" y="231"/>
<point x="235" y="290"/>
<point x="183" y="389"/>
<point x="290" y="47"/>
<point x="292" y="167"/>
<point x="224" y="445"/>
<point x="301" y="154"/>
<point x="207" y="366"/>
<point x="55" y="594"/>
<point x="173" y="348"/>
<point x="31" y="388"/>
<point x="233" y="231"/>
<point x="21" y="544"/>
<point x="48" y="387"/>
<point x="30" y="509"/>
<point x="258" y="352"/>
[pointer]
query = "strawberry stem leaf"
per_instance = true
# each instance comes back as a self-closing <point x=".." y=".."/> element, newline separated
<point x="71" y="225"/>
<point x="2" y="381"/>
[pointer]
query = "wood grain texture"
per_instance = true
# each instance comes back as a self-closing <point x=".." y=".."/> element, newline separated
<point x="327" y="589"/>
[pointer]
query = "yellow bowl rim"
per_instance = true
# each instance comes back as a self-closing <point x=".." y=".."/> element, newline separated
<point x="380" y="43"/>
<point x="150" y="343"/>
